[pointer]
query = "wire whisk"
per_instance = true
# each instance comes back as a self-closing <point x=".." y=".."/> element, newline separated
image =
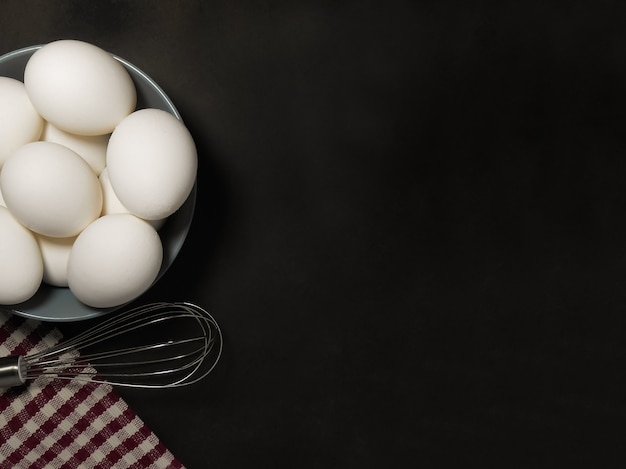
<point x="159" y="345"/>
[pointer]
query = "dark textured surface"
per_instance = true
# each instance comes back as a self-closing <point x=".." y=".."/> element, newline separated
<point x="410" y="226"/>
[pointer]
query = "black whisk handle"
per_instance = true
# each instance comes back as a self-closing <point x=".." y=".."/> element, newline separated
<point x="12" y="371"/>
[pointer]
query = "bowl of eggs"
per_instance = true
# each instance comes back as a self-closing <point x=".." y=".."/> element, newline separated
<point x="97" y="181"/>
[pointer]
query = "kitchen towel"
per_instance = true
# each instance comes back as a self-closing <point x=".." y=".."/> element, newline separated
<point x="65" y="424"/>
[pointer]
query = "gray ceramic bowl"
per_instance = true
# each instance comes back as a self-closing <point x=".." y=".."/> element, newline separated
<point x="59" y="304"/>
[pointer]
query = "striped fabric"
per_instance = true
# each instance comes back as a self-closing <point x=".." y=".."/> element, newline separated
<point x="58" y="424"/>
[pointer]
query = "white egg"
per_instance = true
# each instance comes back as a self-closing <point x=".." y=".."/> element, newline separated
<point x="152" y="163"/>
<point x="79" y="87"/>
<point x="91" y="148"/>
<point x="114" y="260"/>
<point x="19" y="122"/>
<point x="50" y="189"/>
<point x="2" y="202"/>
<point x="111" y="204"/>
<point x="55" y="252"/>
<point x="21" y="265"/>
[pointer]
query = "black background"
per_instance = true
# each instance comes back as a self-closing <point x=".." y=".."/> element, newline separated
<point x="410" y="226"/>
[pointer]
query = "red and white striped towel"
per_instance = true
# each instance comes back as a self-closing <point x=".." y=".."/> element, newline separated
<point x="55" y="424"/>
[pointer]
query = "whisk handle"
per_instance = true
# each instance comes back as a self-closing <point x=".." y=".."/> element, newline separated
<point x="12" y="371"/>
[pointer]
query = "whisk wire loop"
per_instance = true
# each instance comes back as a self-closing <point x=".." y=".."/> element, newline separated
<point x="159" y="363"/>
